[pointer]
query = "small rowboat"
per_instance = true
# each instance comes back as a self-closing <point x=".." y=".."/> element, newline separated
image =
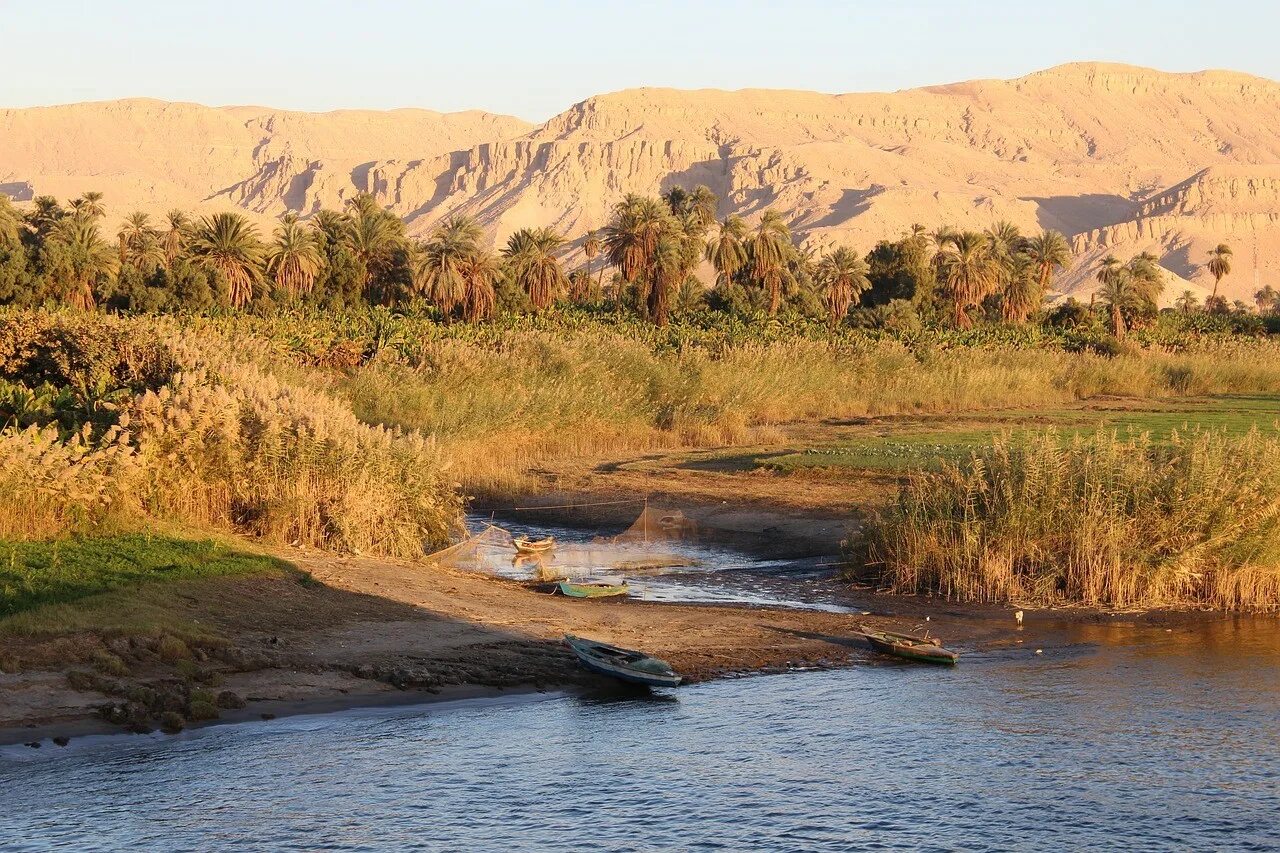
<point x="624" y="664"/>
<point x="576" y="589"/>
<point x="525" y="545"/>
<point x="907" y="647"/>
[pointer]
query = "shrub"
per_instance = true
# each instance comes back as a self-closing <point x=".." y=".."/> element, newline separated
<point x="1104" y="520"/>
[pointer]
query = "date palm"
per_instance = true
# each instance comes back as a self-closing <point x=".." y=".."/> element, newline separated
<point x="530" y="253"/>
<point x="1049" y="252"/>
<point x="1187" y="302"/>
<point x="11" y="225"/>
<point x="844" y="275"/>
<point x="667" y="273"/>
<point x="726" y="251"/>
<point x="87" y="256"/>
<point x="442" y="264"/>
<point x="769" y="248"/>
<point x="967" y="272"/>
<point x="139" y="243"/>
<point x="631" y="239"/>
<point x="294" y="259"/>
<point x="480" y="271"/>
<point x="1117" y="292"/>
<point x="591" y="246"/>
<point x="176" y="235"/>
<point x="88" y="207"/>
<point x="1021" y="293"/>
<point x="375" y="236"/>
<point x="228" y="244"/>
<point x="1266" y="299"/>
<point x="1219" y="265"/>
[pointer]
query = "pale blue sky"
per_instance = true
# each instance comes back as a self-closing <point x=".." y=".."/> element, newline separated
<point x="534" y="59"/>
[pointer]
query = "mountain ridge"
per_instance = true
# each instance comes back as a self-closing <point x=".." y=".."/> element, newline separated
<point x="1085" y="148"/>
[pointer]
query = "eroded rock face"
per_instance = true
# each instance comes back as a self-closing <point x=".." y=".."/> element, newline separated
<point x="1122" y="159"/>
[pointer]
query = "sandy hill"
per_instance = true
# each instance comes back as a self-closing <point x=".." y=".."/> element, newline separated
<point x="1121" y="159"/>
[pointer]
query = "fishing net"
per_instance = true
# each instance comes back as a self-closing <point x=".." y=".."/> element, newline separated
<point x="649" y="544"/>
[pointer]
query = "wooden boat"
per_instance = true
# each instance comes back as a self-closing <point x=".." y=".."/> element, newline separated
<point x="589" y="589"/>
<point x="624" y="664"/>
<point x="908" y="647"/>
<point x="528" y="547"/>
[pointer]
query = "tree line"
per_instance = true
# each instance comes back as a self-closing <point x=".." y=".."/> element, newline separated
<point x="652" y="246"/>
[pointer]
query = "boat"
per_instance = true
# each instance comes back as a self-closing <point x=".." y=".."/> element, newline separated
<point x="525" y="545"/>
<point x="623" y="664"/>
<point x="908" y="647"/>
<point x="586" y="589"/>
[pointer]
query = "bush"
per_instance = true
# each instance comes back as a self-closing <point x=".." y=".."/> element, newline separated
<point x="1106" y="520"/>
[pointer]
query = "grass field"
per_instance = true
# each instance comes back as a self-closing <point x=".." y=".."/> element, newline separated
<point x="904" y="444"/>
<point x="39" y="574"/>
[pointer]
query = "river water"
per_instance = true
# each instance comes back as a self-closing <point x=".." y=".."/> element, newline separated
<point x="1112" y="738"/>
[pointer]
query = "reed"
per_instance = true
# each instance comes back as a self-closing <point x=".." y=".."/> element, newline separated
<point x="1108" y="519"/>
<point x="214" y="443"/>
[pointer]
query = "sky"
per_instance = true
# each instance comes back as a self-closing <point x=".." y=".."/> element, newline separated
<point x="535" y="58"/>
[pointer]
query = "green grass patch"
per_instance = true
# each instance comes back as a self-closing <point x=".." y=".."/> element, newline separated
<point x="40" y="574"/>
<point x="927" y="445"/>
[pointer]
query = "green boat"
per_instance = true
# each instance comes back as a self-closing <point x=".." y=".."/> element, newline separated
<point x="623" y="664"/>
<point x="576" y="589"/>
<point x="908" y="647"/>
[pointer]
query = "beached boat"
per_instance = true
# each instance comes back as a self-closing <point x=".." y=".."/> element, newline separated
<point x="908" y="647"/>
<point x="526" y="546"/>
<point x="586" y="589"/>
<point x="623" y="664"/>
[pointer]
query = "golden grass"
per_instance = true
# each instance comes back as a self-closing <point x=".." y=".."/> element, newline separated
<point x="1107" y="520"/>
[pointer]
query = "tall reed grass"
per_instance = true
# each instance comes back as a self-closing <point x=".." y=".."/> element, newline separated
<point x="1109" y="520"/>
<point x="211" y="442"/>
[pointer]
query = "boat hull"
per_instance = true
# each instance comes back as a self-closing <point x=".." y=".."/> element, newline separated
<point x="918" y="654"/>
<point x="591" y="590"/>
<point x="589" y="654"/>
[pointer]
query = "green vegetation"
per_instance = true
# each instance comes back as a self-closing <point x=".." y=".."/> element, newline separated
<point x="35" y="574"/>
<point x="900" y="448"/>
<point x="1099" y="520"/>
<point x="116" y="424"/>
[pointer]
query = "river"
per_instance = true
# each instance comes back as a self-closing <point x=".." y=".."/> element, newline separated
<point x="1142" y="738"/>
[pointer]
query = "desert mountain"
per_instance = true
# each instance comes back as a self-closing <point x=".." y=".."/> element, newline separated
<point x="1121" y="159"/>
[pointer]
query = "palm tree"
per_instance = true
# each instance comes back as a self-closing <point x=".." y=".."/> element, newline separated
<point x="702" y="204"/>
<point x="176" y="235"/>
<point x="769" y="249"/>
<point x="1187" y="302"/>
<point x="726" y="251"/>
<point x="668" y="272"/>
<point x="139" y="243"/>
<point x="87" y="256"/>
<point x="480" y="271"/>
<point x="1266" y="299"/>
<point x="374" y="236"/>
<point x="591" y="247"/>
<point x="1219" y="265"/>
<point x="11" y="225"/>
<point x="530" y="252"/>
<point x="1117" y="292"/>
<point x="444" y="261"/>
<point x="228" y="244"/>
<point x="294" y="259"/>
<point x="1021" y="292"/>
<point x="1048" y="251"/>
<point x="88" y="207"/>
<point x="631" y="240"/>
<point x="967" y="272"/>
<point x="844" y="274"/>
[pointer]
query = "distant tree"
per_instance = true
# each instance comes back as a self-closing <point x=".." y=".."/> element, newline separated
<point x="1266" y="299"/>
<point x="631" y="242"/>
<point x="88" y="207"/>
<point x="844" y="275"/>
<point x="294" y="259"/>
<point x="84" y="257"/>
<point x="139" y="244"/>
<point x="176" y="235"/>
<point x="443" y="262"/>
<point x="725" y="251"/>
<point x="967" y="272"/>
<point x="591" y="246"/>
<point x="1219" y="265"/>
<point x="1187" y="302"/>
<point x="481" y="272"/>
<point x="768" y="249"/>
<point x="377" y="239"/>
<point x="530" y="253"/>
<point x="227" y="244"/>
<point x="1049" y="252"/>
